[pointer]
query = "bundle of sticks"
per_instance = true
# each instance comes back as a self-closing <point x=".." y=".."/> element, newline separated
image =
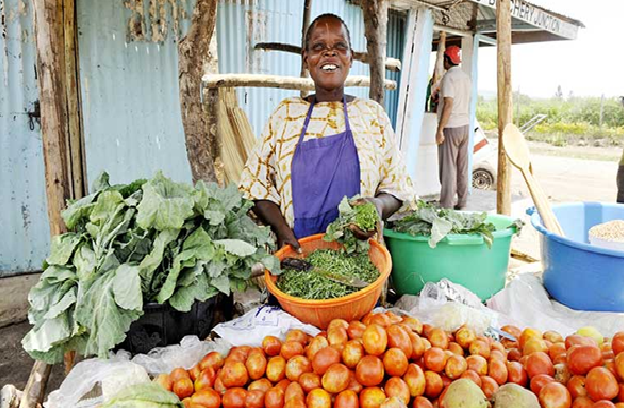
<point x="235" y="135"/>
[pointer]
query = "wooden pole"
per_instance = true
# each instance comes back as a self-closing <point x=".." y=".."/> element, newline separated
<point x="305" y="23"/>
<point x="375" y="19"/>
<point x="505" y="103"/>
<point x="77" y="168"/>
<point x="280" y="82"/>
<point x="193" y="55"/>
<point x="60" y="127"/>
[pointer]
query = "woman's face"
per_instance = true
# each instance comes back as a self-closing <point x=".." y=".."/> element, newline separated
<point x="328" y="54"/>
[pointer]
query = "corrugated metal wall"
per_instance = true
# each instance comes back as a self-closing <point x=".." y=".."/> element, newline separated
<point x="131" y="108"/>
<point x="24" y="231"/>
<point x="129" y="92"/>
<point x="280" y="21"/>
<point x="396" y="31"/>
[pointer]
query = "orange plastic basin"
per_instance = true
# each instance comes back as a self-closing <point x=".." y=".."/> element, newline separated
<point x="320" y="312"/>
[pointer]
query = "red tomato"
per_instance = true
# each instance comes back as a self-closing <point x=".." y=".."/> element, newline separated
<point x="601" y="384"/>
<point x="539" y="363"/>
<point x="234" y="398"/>
<point x="538" y="382"/>
<point x="581" y="359"/>
<point x="555" y="395"/>
<point x="369" y="371"/>
<point x="347" y="399"/>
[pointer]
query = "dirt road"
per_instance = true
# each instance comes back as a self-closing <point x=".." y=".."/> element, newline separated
<point x="571" y="179"/>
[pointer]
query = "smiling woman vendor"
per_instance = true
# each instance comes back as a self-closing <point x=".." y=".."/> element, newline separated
<point x="315" y="151"/>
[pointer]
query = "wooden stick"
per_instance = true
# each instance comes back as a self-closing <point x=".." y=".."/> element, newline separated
<point x="391" y="64"/>
<point x="305" y="23"/>
<point x="375" y="18"/>
<point x="35" y="388"/>
<point x="505" y="103"/>
<point x="281" y="82"/>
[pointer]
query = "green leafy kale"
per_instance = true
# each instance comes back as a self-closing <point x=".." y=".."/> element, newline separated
<point x="364" y="216"/>
<point x="312" y="285"/>
<point x="438" y="223"/>
<point x="148" y="241"/>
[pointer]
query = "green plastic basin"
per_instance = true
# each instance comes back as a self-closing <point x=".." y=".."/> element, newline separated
<point x="461" y="258"/>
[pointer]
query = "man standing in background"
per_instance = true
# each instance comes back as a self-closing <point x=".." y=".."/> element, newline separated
<point x="620" y="181"/>
<point x="452" y="136"/>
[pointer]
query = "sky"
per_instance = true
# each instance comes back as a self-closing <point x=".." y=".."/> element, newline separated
<point x="591" y="65"/>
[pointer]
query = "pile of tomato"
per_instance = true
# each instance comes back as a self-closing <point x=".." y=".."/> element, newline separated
<point x="387" y="358"/>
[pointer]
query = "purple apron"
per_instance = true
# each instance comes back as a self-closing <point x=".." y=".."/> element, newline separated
<point x="323" y="172"/>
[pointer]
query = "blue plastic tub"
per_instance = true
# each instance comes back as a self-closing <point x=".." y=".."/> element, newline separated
<point x="577" y="274"/>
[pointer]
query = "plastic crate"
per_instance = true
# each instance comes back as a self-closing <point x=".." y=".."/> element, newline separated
<point x="162" y="325"/>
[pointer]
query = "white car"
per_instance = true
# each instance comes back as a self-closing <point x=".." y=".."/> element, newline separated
<point x="485" y="160"/>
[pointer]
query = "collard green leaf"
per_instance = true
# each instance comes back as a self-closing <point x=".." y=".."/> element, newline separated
<point x="439" y="229"/>
<point x="62" y="247"/>
<point x="105" y="321"/>
<point x="78" y="211"/>
<point x="127" y="288"/>
<point x="51" y="332"/>
<point x="222" y="283"/>
<point x="153" y="260"/>
<point x="68" y="299"/>
<point x="106" y="207"/>
<point x="165" y="204"/>
<point x="184" y="297"/>
<point x="85" y="262"/>
<point x="101" y="182"/>
<point x="237" y="247"/>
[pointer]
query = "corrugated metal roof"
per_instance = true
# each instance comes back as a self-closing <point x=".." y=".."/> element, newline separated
<point x="130" y="95"/>
<point x="23" y="216"/>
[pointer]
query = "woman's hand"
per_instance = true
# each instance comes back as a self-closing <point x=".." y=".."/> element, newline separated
<point x="286" y="236"/>
<point x="357" y="231"/>
<point x="270" y="214"/>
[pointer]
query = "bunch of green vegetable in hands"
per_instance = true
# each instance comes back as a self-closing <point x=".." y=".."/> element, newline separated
<point x="356" y="223"/>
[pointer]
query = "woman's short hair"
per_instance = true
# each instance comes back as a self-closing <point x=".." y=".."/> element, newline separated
<point x="320" y="17"/>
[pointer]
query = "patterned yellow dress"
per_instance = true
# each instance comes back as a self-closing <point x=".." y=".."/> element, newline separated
<point x="382" y="170"/>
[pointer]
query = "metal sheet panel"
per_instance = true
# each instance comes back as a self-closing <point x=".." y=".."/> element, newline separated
<point x="244" y="23"/>
<point x="130" y="99"/>
<point x="24" y="226"/>
<point x="396" y="33"/>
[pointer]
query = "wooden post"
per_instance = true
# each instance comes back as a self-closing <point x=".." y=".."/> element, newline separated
<point x="77" y="163"/>
<point x="193" y="55"/>
<point x="54" y="60"/>
<point x="505" y="103"/>
<point x="375" y="20"/>
<point x="305" y="23"/>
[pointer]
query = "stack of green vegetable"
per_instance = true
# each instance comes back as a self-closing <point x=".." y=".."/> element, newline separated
<point x="438" y="223"/>
<point x="148" y="241"/>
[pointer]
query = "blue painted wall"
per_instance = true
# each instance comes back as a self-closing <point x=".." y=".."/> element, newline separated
<point x="24" y="227"/>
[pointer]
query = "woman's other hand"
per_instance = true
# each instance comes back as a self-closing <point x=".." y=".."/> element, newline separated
<point x="286" y="236"/>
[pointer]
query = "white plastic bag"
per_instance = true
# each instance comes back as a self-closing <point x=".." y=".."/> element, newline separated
<point x="113" y="375"/>
<point x="525" y="302"/>
<point x="189" y="352"/>
<point x="251" y="328"/>
<point x="449" y="306"/>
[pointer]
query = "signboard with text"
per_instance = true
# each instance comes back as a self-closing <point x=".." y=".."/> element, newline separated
<point x="538" y="17"/>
